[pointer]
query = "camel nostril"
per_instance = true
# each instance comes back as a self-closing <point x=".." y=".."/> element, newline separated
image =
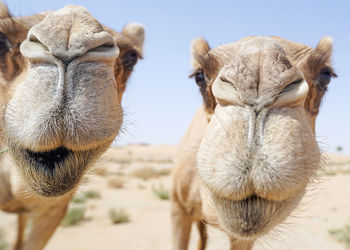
<point x="104" y="47"/>
<point x="48" y="160"/>
<point x="32" y="38"/>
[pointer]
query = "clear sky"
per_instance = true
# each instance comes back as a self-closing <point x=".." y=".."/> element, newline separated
<point x="161" y="100"/>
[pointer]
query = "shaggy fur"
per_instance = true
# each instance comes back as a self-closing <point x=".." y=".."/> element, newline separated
<point x="250" y="152"/>
<point x="63" y="75"/>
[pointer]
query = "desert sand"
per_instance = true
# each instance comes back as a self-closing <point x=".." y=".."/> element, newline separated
<point x="119" y="179"/>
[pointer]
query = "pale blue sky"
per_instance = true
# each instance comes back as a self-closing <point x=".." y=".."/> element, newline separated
<point x="161" y="100"/>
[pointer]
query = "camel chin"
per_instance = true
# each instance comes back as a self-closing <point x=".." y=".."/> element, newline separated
<point x="249" y="218"/>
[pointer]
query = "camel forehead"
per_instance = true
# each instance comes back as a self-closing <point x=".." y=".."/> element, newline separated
<point x="256" y="66"/>
<point x="249" y="45"/>
<point x="68" y="29"/>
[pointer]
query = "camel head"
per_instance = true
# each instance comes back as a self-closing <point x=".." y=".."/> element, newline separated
<point x="62" y="78"/>
<point x="258" y="153"/>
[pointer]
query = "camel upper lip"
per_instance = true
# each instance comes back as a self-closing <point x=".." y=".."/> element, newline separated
<point x="48" y="160"/>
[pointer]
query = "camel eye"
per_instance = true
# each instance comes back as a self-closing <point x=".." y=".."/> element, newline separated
<point x="200" y="78"/>
<point x="130" y="59"/>
<point x="324" y="79"/>
<point x="5" y="44"/>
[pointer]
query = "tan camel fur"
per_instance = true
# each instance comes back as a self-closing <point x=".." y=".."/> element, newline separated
<point x="62" y="79"/>
<point x="250" y="151"/>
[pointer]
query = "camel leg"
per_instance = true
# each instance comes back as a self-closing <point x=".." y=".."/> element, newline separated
<point x="240" y="245"/>
<point x="203" y="236"/>
<point x="181" y="227"/>
<point x="21" y="226"/>
<point x="44" y="224"/>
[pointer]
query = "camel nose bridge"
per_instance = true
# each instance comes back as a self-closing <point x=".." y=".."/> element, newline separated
<point x="67" y="34"/>
<point x="257" y="70"/>
<point x="255" y="125"/>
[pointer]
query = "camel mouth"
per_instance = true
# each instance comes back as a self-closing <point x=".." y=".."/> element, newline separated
<point x="253" y="216"/>
<point x="48" y="160"/>
<point x="55" y="172"/>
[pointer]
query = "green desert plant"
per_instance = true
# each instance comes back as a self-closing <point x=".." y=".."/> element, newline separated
<point x="79" y="199"/>
<point x="161" y="192"/>
<point x="342" y="235"/>
<point x="89" y="194"/>
<point x="92" y="194"/>
<point x="118" y="215"/>
<point x="339" y="148"/>
<point x="73" y="216"/>
<point x="3" y="243"/>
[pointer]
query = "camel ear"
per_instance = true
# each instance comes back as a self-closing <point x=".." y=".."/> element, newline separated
<point x="199" y="51"/>
<point x="4" y="11"/>
<point x="136" y="32"/>
<point x="205" y="68"/>
<point x="324" y="49"/>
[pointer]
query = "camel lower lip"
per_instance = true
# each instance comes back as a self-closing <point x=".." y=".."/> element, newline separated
<point x="250" y="214"/>
<point x="253" y="216"/>
<point x="55" y="172"/>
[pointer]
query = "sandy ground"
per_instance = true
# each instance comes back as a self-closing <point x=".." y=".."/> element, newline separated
<point x="325" y="207"/>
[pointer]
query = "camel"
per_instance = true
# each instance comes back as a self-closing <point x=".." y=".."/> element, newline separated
<point x="250" y="152"/>
<point x="63" y="75"/>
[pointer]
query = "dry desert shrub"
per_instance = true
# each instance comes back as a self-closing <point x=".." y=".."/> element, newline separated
<point x="164" y="172"/>
<point x="141" y="186"/>
<point x="118" y="215"/>
<point x="147" y="173"/>
<point x="116" y="182"/>
<point x="101" y="171"/>
<point x="118" y="173"/>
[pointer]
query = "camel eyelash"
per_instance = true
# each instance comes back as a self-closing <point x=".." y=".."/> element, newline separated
<point x="224" y="79"/>
<point x="292" y="85"/>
